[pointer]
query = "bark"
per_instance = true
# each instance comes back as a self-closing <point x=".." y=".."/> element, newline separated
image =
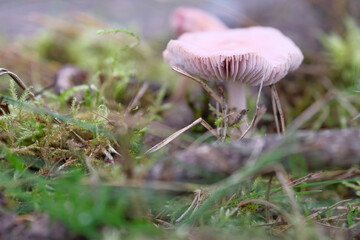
<point x="320" y="150"/>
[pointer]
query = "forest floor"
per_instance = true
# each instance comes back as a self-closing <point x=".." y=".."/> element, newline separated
<point x="80" y="108"/>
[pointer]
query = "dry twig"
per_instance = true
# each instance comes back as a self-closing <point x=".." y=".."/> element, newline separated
<point x="274" y="107"/>
<point x="268" y="204"/>
<point x="277" y="105"/>
<point x="267" y="197"/>
<point x="18" y="80"/>
<point x="178" y="133"/>
<point x="135" y="100"/>
<point x="311" y="111"/>
<point x="314" y="215"/>
<point x="195" y="201"/>
<point x="202" y="83"/>
<point x="254" y="120"/>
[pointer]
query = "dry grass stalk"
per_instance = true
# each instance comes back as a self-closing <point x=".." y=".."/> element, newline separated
<point x="280" y="174"/>
<point x="225" y="121"/>
<point x="261" y="113"/>
<point x="314" y="215"/>
<point x="300" y="223"/>
<point x="202" y="83"/>
<point x="239" y="117"/>
<point x="276" y="101"/>
<point x="180" y="187"/>
<point x="18" y="81"/>
<point x="267" y="204"/>
<point x="275" y="114"/>
<point x="178" y="133"/>
<point x="267" y="197"/>
<point x="304" y="179"/>
<point x="311" y="111"/>
<point x="219" y="99"/>
<point x="257" y="115"/>
<point x="343" y="101"/>
<point x="217" y="116"/>
<point x="137" y="97"/>
<point x="301" y="180"/>
<point x="194" y="203"/>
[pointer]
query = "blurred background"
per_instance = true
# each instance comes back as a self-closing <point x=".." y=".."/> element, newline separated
<point x="56" y="33"/>
<point x="301" y="19"/>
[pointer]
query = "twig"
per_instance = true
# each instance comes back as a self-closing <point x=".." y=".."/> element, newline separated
<point x="267" y="197"/>
<point x="180" y="187"/>
<point x="18" y="80"/>
<point x="139" y="95"/>
<point x="252" y="124"/>
<point x="217" y="116"/>
<point x="280" y="174"/>
<point x="199" y="199"/>
<point x="268" y="204"/>
<point x="94" y="176"/>
<point x="314" y="215"/>
<point x="261" y="113"/>
<point x="196" y="198"/>
<point x="176" y="134"/>
<point x="67" y="163"/>
<point x="208" y="127"/>
<point x="346" y="104"/>
<point x="299" y="181"/>
<point x="304" y="179"/>
<point x="311" y="111"/>
<point x="342" y="219"/>
<point x="166" y="224"/>
<point x="219" y="99"/>
<point x="72" y="131"/>
<point x="196" y="143"/>
<point x="275" y="96"/>
<point x="225" y="120"/>
<point x="239" y="117"/>
<point x="202" y="83"/>
<point x="336" y="217"/>
<point x="275" y="113"/>
<point x="298" y="222"/>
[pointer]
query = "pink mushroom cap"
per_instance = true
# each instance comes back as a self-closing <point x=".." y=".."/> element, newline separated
<point x="189" y="19"/>
<point x="246" y="55"/>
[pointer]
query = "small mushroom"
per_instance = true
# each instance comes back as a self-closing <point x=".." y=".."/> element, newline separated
<point x="190" y="19"/>
<point x="239" y="57"/>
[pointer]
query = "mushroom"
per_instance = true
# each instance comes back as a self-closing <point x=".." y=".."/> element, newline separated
<point x="190" y="19"/>
<point x="239" y="57"/>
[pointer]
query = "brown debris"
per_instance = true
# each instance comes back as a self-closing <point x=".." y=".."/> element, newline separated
<point x="38" y="227"/>
<point x="69" y="76"/>
<point x="4" y="107"/>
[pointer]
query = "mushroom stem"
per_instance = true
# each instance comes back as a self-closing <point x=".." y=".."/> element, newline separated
<point x="237" y="95"/>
